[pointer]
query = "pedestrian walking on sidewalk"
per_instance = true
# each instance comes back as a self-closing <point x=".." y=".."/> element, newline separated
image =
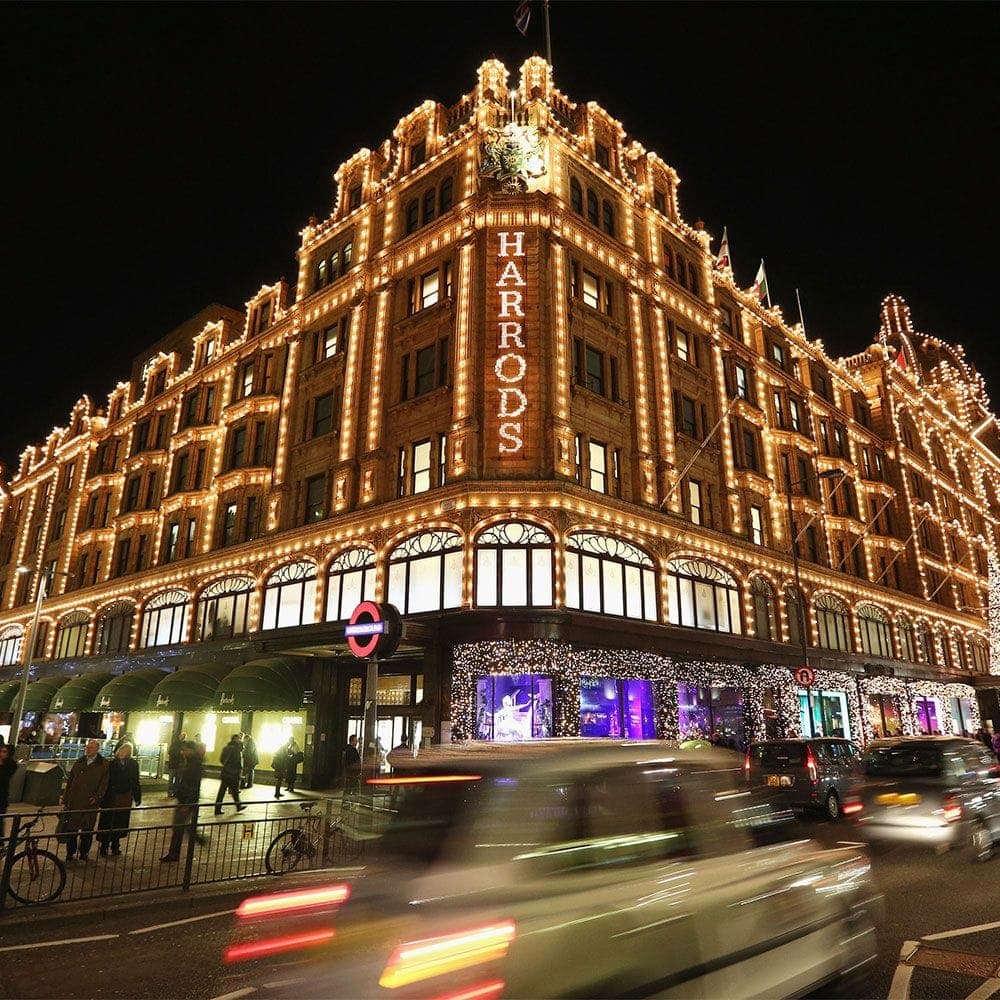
<point x="293" y="757"/>
<point x="116" y="806"/>
<point x="85" y="788"/>
<point x="174" y="764"/>
<point x="250" y="760"/>
<point x="7" y="768"/>
<point x="232" y="772"/>
<point x="188" y="794"/>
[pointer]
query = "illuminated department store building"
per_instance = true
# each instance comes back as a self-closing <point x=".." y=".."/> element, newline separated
<point x="512" y="394"/>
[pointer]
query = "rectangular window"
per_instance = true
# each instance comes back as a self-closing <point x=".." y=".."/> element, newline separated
<point x="121" y="556"/>
<point x="246" y="380"/>
<point x="250" y="529"/>
<point x="682" y="345"/>
<point x="181" y="472"/>
<point x="60" y="523"/>
<point x="726" y="320"/>
<point x="199" y="468"/>
<point x="239" y="450"/>
<point x="354" y="198"/>
<point x="190" y="413"/>
<point x="150" y="502"/>
<point x="688" y="422"/>
<point x="794" y="416"/>
<point x="401" y="474"/>
<point x="756" y="526"/>
<point x="327" y="343"/>
<point x="597" y="452"/>
<point x="315" y="509"/>
<point x="430" y="289"/>
<point x="322" y="422"/>
<point x="779" y="410"/>
<point x="132" y="494"/>
<point x="591" y="290"/>
<point x="778" y="354"/>
<point x="141" y="440"/>
<point x="192" y="530"/>
<point x="442" y="458"/>
<point x="750" y="450"/>
<point x="425" y="371"/>
<point x="421" y="474"/>
<point x="595" y="370"/>
<point x="695" y="501"/>
<point x="229" y="525"/>
<point x="660" y="202"/>
<point x="603" y="155"/>
<point x="404" y="378"/>
<point x="142" y="553"/>
<point x="173" y="533"/>
<point x="578" y="458"/>
<point x="418" y="153"/>
<point x="259" y="443"/>
<point x="742" y="382"/>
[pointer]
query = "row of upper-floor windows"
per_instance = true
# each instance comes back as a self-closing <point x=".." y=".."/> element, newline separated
<point x="518" y="564"/>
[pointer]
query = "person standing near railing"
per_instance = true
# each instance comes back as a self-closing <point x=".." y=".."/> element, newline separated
<point x="116" y="806"/>
<point x="250" y="760"/>
<point x="174" y="764"/>
<point x="85" y="788"/>
<point x="7" y="768"/>
<point x="232" y="771"/>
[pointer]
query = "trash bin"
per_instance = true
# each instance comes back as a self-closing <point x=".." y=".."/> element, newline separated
<point x="16" y="788"/>
<point x="43" y="783"/>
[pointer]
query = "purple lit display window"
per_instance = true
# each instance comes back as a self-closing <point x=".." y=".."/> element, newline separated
<point x="617" y="708"/>
<point x="927" y="716"/>
<point x="510" y="708"/>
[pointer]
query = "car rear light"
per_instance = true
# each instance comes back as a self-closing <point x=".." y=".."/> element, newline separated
<point x="426" y="779"/>
<point x="481" y="991"/>
<point x="295" y="901"/>
<point x="811" y="766"/>
<point x="417" y="960"/>
<point x="274" y="946"/>
<point x="852" y="806"/>
<point x="952" y="809"/>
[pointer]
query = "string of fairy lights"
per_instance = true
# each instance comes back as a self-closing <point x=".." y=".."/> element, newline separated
<point x="937" y="409"/>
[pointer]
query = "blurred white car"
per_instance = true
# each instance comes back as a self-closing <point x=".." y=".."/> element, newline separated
<point x="581" y="869"/>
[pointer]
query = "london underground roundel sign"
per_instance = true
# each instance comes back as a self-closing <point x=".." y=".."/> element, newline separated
<point x="373" y="630"/>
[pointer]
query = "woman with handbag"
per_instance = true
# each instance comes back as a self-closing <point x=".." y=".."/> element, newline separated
<point x="116" y="806"/>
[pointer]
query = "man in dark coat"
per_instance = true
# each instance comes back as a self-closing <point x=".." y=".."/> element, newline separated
<point x="85" y="789"/>
<point x="188" y="793"/>
<point x="116" y="807"/>
<point x="250" y="760"/>
<point x="352" y="767"/>
<point x="232" y="771"/>
<point x="174" y="764"/>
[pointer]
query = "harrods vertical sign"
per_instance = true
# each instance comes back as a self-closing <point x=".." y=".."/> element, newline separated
<point x="512" y="370"/>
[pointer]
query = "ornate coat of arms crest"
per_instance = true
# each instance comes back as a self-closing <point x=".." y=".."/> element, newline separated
<point x="512" y="155"/>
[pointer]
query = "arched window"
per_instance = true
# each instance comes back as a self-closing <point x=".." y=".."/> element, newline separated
<point x="609" y="576"/>
<point x="224" y="608"/>
<point x="701" y="595"/>
<point x="925" y="640"/>
<point x="11" y="641"/>
<point x="876" y="639"/>
<point x="795" y="615"/>
<point x="114" y="628"/>
<point x="412" y="215"/>
<point x="907" y="642"/>
<point x="425" y="572"/>
<point x="980" y="654"/>
<point x="514" y="566"/>
<point x="575" y="196"/>
<point x="833" y="622"/>
<point x="593" y="210"/>
<point x="290" y="596"/>
<point x="164" y="619"/>
<point x="349" y="581"/>
<point x="762" y="596"/>
<point x="71" y="635"/>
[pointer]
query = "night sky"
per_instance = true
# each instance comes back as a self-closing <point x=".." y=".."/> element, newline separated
<point x="160" y="158"/>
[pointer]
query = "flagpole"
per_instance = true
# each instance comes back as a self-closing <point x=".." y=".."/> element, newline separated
<point x="802" y="321"/>
<point x="767" y="284"/>
<point x="548" y="35"/>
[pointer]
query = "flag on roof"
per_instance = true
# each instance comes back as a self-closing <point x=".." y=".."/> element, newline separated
<point x="722" y="260"/>
<point x="759" y="289"/>
<point x="522" y="15"/>
<point x="901" y="359"/>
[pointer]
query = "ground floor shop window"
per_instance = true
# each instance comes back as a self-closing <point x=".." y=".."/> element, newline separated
<point x="962" y="723"/>
<point x="513" y="707"/>
<point x="884" y="716"/>
<point x="929" y="716"/>
<point x="617" y="708"/>
<point x="711" y="713"/>
<point x="823" y="713"/>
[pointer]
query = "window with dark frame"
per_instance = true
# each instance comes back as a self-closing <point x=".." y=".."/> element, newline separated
<point x="315" y="498"/>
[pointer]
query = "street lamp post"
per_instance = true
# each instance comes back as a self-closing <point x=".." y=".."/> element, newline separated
<point x="799" y="598"/>
<point x="15" y="726"/>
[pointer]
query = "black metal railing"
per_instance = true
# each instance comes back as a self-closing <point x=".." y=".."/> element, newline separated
<point x="36" y="870"/>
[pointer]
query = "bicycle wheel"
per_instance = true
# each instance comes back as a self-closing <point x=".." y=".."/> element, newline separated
<point x="38" y="877"/>
<point x="290" y="851"/>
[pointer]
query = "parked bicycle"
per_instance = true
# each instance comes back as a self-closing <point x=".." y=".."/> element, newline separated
<point x="317" y="841"/>
<point x="36" y="875"/>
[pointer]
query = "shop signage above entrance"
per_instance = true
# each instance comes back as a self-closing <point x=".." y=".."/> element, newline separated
<point x="374" y="630"/>
<point x="805" y="676"/>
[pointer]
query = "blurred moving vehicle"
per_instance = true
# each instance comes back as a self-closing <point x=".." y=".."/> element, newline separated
<point x="817" y="773"/>
<point x="579" y="869"/>
<point x="937" y="791"/>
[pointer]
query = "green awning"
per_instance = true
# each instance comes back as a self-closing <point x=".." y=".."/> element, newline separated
<point x="40" y="693"/>
<point x="270" y="684"/>
<point x="191" y="689"/>
<point x="78" y="694"/>
<point x="8" y="695"/>
<point x="128" y="692"/>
